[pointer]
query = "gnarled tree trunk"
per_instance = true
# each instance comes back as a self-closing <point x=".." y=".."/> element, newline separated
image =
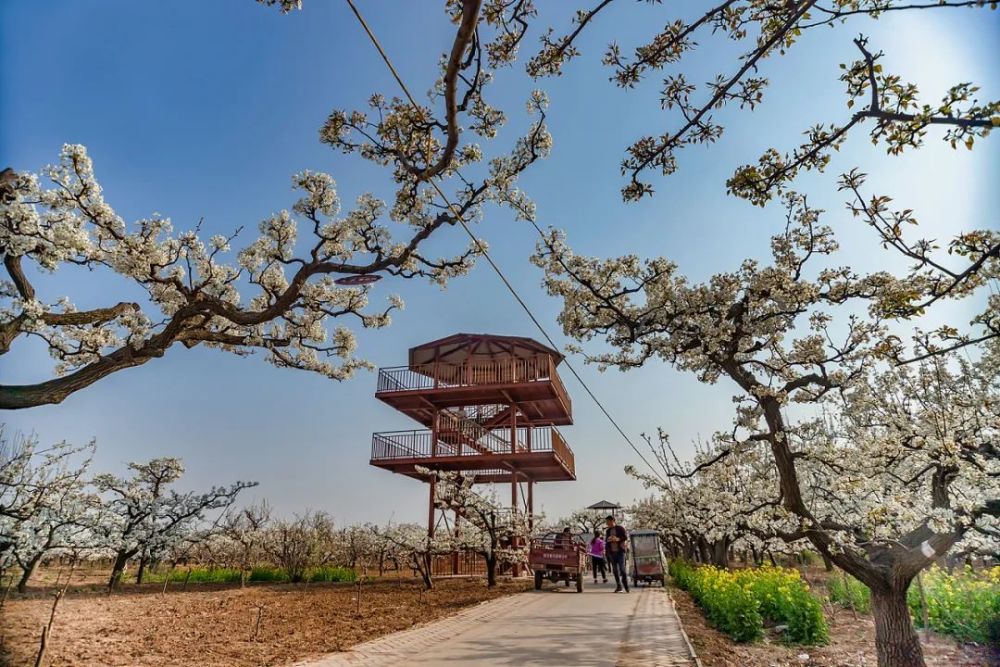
<point x="28" y="570"/>
<point x="704" y="552"/>
<point x="491" y="571"/>
<point x="142" y="570"/>
<point x="827" y="562"/>
<point x="423" y="564"/>
<point x="720" y="553"/>
<point x="896" y="639"/>
<point x="121" y="558"/>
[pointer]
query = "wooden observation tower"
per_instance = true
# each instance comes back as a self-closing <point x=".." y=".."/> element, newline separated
<point x="489" y="407"/>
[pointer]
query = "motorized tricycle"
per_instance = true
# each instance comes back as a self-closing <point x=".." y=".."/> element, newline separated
<point x="557" y="557"/>
<point x="648" y="563"/>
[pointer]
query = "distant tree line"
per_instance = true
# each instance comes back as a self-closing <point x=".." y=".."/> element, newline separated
<point x="53" y="507"/>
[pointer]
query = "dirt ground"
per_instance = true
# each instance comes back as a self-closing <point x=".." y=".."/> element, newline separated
<point x="216" y="627"/>
<point x="852" y="644"/>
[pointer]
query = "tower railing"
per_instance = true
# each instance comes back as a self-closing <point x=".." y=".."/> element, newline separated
<point x="419" y="444"/>
<point x="478" y="373"/>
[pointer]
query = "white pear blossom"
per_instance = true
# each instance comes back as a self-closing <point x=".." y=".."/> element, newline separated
<point x="141" y="515"/>
<point x="875" y="464"/>
<point x="276" y="293"/>
<point x="500" y="535"/>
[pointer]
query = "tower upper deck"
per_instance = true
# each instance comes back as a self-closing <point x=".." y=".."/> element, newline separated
<point x="466" y="370"/>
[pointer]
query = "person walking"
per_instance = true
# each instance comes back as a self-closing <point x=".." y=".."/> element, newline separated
<point x="616" y="544"/>
<point x="596" y="552"/>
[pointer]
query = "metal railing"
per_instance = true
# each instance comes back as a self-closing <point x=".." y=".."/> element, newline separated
<point x="458" y="563"/>
<point x="401" y="445"/>
<point x="479" y="373"/>
<point x="418" y="444"/>
<point x="454" y="425"/>
<point x="483" y="414"/>
<point x="562" y="451"/>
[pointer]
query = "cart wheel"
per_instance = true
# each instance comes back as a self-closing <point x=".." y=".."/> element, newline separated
<point x="579" y="583"/>
<point x="538" y="581"/>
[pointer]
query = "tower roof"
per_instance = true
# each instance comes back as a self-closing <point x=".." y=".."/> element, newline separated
<point x="459" y="348"/>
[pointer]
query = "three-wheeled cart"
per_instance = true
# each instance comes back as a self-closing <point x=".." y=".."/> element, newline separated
<point x="648" y="563"/>
<point x="556" y="558"/>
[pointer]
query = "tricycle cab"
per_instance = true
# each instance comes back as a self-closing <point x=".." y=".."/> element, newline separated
<point x="648" y="563"/>
<point x="557" y="557"/>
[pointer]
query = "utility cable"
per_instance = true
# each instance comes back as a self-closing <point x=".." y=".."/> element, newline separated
<point x="486" y="255"/>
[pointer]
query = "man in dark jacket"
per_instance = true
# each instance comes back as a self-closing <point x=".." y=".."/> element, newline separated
<point x="615" y="546"/>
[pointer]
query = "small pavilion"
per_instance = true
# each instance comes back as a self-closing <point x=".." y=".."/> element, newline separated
<point x="606" y="506"/>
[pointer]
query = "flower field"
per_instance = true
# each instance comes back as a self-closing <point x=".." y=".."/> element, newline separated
<point x="965" y="605"/>
<point x="739" y="602"/>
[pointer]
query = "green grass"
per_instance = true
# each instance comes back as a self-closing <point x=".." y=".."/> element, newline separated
<point x="264" y="574"/>
<point x="848" y="592"/>
<point x="199" y="575"/>
<point x="330" y="574"/>
<point x="274" y="575"/>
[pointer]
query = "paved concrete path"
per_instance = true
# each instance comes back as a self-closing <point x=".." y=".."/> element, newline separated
<point x="554" y="626"/>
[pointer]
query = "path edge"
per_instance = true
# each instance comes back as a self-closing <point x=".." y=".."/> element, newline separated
<point x="687" y="641"/>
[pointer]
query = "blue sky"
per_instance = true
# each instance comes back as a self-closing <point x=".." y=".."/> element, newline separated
<point x="205" y="110"/>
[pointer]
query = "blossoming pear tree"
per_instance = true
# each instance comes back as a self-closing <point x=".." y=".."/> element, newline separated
<point x="703" y="512"/>
<point x="498" y="534"/>
<point x="904" y="460"/>
<point x="887" y="105"/>
<point x="276" y="293"/>
<point x="45" y="507"/>
<point x="894" y="112"/>
<point x="583" y="521"/>
<point x="411" y="543"/>
<point x="246" y="529"/>
<point x="61" y="526"/>
<point x="383" y="552"/>
<point x="141" y="515"/>
<point x="302" y="541"/>
<point x="356" y="546"/>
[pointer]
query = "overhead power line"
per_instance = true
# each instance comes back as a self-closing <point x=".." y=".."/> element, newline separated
<point x="489" y="259"/>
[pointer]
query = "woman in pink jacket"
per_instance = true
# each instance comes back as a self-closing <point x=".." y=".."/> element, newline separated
<point x="596" y="551"/>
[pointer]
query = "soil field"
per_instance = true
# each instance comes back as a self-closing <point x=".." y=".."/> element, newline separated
<point x="852" y="644"/>
<point x="216" y="627"/>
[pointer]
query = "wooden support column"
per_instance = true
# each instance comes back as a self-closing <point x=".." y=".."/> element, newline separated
<point x="435" y="430"/>
<point x="531" y="506"/>
<point x="513" y="427"/>
<point x="454" y="554"/>
<point x="516" y="569"/>
<point x="430" y="508"/>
